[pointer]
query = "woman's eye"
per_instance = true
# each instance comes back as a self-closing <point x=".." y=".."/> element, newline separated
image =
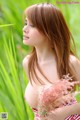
<point x="31" y="25"/>
<point x="25" y="23"/>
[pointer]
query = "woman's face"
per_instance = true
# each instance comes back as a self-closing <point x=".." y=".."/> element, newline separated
<point x="31" y="35"/>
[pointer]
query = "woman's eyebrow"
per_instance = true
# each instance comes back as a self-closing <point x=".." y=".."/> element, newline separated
<point x="25" y="20"/>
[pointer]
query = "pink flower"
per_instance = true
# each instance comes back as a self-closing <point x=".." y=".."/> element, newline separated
<point x="50" y="98"/>
<point x="52" y="93"/>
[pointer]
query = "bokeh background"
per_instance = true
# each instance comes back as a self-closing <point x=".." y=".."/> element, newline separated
<point x="13" y="80"/>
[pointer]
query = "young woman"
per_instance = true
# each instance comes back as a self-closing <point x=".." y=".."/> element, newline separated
<point x="51" y="67"/>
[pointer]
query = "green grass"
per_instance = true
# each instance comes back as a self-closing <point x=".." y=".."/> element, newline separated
<point x="11" y="92"/>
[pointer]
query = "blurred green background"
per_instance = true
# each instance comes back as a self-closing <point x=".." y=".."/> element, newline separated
<point x="13" y="79"/>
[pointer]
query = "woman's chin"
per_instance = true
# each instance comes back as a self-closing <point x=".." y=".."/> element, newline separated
<point x="25" y="41"/>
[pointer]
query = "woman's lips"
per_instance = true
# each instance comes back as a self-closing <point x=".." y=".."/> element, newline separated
<point x="25" y="38"/>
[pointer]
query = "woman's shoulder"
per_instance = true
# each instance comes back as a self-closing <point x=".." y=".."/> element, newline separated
<point x="74" y="60"/>
<point x="76" y="64"/>
<point x="25" y="63"/>
<point x="25" y="60"/>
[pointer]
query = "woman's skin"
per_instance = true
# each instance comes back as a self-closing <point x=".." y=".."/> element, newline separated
<point x="47" y="62"/>
<point x="62" y="113"/>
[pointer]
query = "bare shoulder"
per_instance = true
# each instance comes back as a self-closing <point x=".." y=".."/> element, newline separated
<point x="75" y="61"/>
<point x="76" y="64"/>
<point x="25" y="63"/>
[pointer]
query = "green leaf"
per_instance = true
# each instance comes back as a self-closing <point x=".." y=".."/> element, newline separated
<point x="6" y="25"/>
<point x="78" y="97"/>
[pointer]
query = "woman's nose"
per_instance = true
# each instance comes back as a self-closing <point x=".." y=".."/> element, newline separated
<point x="25" y="29"/>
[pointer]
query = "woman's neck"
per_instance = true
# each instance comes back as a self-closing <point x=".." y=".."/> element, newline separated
<point x="44" y="55"/>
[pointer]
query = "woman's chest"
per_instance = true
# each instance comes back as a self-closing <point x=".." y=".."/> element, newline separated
<point x="48" y="74"/>
<point x="32" y="92"/>
<point x="31" y="95"/>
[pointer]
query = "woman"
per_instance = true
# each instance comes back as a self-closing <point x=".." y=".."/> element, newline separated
<point x="51" y="67"/>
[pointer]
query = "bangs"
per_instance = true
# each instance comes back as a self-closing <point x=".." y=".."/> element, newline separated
<point x="30" y="13"/>
<point x="36" y="15"/>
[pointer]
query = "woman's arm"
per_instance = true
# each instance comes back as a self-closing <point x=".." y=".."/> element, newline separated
<point x="62" y="113"/>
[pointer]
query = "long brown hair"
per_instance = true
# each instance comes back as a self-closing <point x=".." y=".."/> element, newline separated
<point x="49" y="20"/>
